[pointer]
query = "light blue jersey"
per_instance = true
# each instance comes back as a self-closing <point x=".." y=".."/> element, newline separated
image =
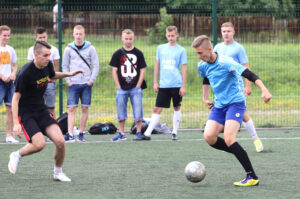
<point x="170" y="59"/>
<point x="235" y="50"/>
<point x="224" y="76"/>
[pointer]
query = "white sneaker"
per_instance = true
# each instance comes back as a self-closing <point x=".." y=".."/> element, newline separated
<point x="13" y="162"/>
<point x="11" y="139"/>
<point x="61" y="177"/>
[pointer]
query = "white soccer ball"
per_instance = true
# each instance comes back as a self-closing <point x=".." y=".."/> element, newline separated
<point x="195" y="171"/>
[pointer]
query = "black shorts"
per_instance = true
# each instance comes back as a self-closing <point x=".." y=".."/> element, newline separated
<point x="35" y="122"/>
<point x="164" y="96"/>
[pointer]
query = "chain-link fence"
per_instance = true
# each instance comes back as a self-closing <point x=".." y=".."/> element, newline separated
<point x="270" y="33"/>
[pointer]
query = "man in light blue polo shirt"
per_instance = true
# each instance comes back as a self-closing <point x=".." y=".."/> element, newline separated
<point x="223" y="74"/>
<point x="237" y="52"/>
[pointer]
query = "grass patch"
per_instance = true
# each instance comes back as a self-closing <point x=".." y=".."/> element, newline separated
<point x="155" y="169"/>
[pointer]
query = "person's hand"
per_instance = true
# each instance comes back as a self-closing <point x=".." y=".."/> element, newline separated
<point x="5" y="79"/>
<point x="70" y="84"/>
<point x="16" y="130"/>
<point x="266" y="95"/>
<point x="77" y="72"/>
<point x="12" y="77"/>
<point x="182" y="91"/>
<point x="155" y="87"/>
<point x="90" y="83"/>
<point x="208" y="104"/>
<point x="247" y="91"/>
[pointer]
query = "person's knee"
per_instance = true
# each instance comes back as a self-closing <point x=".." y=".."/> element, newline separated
<point x="246" y="118"/>
<point x="39" y="145"/>
<point x="229" y="141"/>
<point x="177" y="108"/>
<point x="60" y="144"/>
<point x="209" y="138"/>
<point x="85" y="109"/>
<point x="72" y="110"/>
<point x="8" y="109"/>
<point x="157" y="110"/>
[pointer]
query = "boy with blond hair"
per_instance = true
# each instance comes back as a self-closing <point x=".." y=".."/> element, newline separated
<point x="128" y="69"/>
<point x="79" y="55"/>
<point x="169" y="58"/>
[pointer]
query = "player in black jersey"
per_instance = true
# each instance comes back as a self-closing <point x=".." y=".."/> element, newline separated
<point x="30" y="113"/>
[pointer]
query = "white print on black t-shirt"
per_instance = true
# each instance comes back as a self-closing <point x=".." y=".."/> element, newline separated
<point x="128" y="71"/>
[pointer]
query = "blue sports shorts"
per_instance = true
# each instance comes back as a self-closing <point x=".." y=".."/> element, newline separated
<point x="233" y="111"/>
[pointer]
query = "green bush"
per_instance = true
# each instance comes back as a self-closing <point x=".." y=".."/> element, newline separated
<point x="157" y="34"/>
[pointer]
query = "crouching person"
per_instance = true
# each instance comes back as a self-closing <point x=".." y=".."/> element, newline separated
<point x="30" y="113"/>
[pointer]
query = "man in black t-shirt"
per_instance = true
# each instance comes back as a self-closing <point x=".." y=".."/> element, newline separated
<point x="128" y="71"/>
<point x="30" y="113"/>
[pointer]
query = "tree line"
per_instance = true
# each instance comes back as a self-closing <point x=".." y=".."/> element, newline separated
<point x="278" y="8"/>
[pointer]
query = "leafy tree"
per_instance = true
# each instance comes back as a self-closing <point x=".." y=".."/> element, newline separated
<point x="279" y="8"/>
<point x="157" y="33"/>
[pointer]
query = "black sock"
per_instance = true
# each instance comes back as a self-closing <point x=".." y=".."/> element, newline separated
<point x="242" y="156"/>
<point x="221" y="145"/>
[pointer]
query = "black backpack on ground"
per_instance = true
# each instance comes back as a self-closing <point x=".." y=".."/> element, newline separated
<point x="62" y="121"/>
<point x="144" y="127"/>
<point x="159" y="129"/>
<point x="103" y="128"/>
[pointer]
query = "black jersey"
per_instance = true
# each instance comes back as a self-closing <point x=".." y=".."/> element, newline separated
<point x="127" y="74"/>
<point x="32" y="82"/>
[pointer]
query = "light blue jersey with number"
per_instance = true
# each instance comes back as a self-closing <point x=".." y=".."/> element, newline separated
<point x="235" y="50"/>
<point x="224" y="76"/>
<point x="170" y="59"/>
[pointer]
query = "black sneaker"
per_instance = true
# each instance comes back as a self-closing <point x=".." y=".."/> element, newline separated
<point x="174" y="137"/>
<point x="142" y="138"/>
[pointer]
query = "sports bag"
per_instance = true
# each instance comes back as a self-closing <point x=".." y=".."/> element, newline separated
<point x="62" y="121"/>
<point x="144" y="127"/>
<point x="160" y="128"/>
<point x="103" y="128"/>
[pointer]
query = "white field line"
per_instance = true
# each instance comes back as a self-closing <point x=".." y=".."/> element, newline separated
<point x="157" y="140"/>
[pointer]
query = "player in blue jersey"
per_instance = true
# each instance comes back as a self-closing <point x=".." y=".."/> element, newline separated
<point x="233" y="49"/>
<point x="169" y="58"/>
<point x="228" y="107"/>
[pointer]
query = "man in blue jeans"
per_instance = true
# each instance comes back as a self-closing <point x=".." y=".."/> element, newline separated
<point x="81" y="55"/>
<point x="128" y="72"/>
<point x="8" y="70"/>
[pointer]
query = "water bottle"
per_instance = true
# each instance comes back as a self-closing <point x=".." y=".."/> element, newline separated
<point x="75" y="131"/>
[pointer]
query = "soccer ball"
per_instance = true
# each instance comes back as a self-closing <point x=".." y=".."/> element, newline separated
<point x="195" y="171"/>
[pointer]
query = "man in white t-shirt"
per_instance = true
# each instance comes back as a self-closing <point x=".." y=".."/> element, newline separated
<point x="8" y="70"/>
<point x="50" y="94"/>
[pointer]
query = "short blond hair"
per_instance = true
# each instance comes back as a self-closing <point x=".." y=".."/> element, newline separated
<point x="202" y="41"/>
<point x="127" y="31"/>
<point x="171" y="28"/>
<point x="227" y="24"/>
<point x="4" y="28"/>
<point x="79" y="27"/>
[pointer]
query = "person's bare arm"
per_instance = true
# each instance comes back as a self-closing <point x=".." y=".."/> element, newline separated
<point x="155" y="76"/>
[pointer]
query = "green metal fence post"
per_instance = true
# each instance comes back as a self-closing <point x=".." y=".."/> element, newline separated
<point x="60" y="54"/>
<point x="215" y="21"/>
